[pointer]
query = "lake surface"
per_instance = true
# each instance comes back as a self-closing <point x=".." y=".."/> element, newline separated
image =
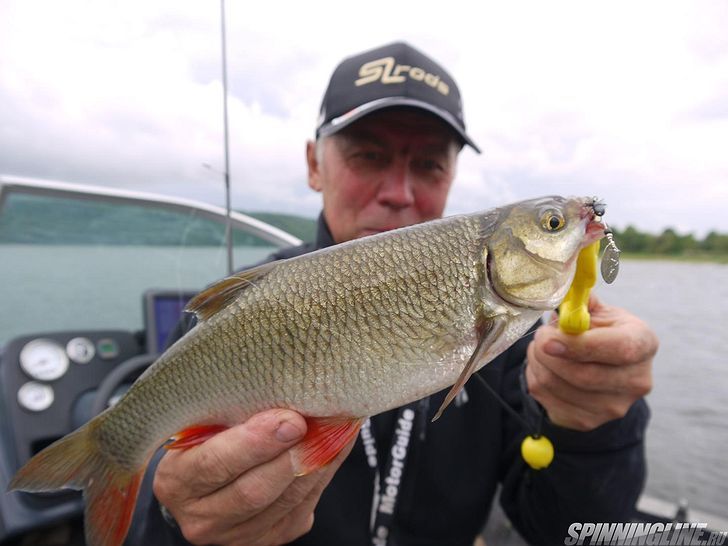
<point x="64" y="287"/>
<point x="67" y="287"/>
<point x="687" y="441"/>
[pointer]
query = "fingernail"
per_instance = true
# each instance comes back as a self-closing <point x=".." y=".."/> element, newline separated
<point x="288" y="432"/>
<point x="554" y="348"/>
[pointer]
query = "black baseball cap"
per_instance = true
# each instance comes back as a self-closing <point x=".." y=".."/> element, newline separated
<point x="396" y="74"/>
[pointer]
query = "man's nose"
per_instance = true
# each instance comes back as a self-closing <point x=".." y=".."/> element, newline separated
<point x="397" y="188"/>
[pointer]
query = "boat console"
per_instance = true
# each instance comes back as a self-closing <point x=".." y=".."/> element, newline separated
<point x="54" y="382"/>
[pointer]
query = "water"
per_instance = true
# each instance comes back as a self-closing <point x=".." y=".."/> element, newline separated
<point x="85" y="286"/>
<point x="65" y="287"/>
<point x="687" y="440"/>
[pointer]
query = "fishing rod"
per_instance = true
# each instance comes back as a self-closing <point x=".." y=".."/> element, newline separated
<point x="228" y="220"/>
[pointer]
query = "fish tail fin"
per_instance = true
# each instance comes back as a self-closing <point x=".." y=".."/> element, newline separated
<point x="75" y="462"/>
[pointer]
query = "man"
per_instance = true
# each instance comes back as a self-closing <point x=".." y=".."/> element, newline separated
<point x="390" y="130"/>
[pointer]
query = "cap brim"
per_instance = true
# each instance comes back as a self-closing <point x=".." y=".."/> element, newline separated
<point x="338" y="123"/>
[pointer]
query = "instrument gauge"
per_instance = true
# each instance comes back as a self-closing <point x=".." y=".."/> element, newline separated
<point x="35" y="396"/>
<point x="44" y="360"/>
<point x="80" y="350"/>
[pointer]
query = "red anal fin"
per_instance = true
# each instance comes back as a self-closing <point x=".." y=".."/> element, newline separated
<point x="194" y="435"/>
<point x="325" y="438"/>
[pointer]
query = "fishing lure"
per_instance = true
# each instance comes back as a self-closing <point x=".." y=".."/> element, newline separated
<point x="574" y="318"/>
<point x="610" y="259"/>
<point x="574" y="315"/>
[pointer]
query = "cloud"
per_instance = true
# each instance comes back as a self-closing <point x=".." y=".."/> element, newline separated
<point x="623" y="100"/>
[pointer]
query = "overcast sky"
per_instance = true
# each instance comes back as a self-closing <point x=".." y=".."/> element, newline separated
<point x="624" y="100"/>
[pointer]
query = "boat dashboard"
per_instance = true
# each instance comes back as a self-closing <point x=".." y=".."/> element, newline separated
<point x="54" y="382"/>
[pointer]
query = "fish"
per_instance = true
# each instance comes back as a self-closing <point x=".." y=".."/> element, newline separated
<point x="338" y="335"/>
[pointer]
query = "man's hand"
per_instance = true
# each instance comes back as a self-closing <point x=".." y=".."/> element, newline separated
<point x="238" y="487"/>
<point x="585" y="380"/>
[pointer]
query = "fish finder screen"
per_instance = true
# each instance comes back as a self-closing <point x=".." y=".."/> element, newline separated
<point x="162" y="312"/>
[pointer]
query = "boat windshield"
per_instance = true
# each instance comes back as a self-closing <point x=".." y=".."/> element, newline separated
<point x="83" y="260"/>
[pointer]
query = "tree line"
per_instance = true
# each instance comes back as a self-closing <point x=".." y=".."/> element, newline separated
<point x="671" y="243"/>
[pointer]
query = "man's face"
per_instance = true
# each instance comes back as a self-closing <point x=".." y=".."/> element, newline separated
<point x="387" y="170"/>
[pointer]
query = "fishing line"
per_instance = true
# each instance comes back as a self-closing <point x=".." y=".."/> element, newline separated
<point x="503" y="403"/>
<point x="388" y="480"/>
<point x="536" y="433"/>
<point x="536" y="449"/>
<point x="551" y="321"/>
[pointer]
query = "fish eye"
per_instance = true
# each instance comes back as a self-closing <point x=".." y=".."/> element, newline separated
<point x="552" y="220"/>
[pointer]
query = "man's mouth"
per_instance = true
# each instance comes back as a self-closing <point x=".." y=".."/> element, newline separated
<point x="372" y="230"/>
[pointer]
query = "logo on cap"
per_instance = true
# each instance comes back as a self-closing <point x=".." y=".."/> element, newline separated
<point x="386" y="71"/>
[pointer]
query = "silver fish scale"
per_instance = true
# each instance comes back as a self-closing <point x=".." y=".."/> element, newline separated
<point x="351" y="330"/>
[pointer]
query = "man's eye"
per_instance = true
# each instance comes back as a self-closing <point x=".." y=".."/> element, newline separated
<point x="370" y="155"/>
<point x="429" y="164"/>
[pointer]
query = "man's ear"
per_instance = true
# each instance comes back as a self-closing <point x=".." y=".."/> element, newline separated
<point x="314" y="175"/>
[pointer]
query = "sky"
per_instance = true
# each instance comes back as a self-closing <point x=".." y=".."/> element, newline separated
<point x="627" y="101"/>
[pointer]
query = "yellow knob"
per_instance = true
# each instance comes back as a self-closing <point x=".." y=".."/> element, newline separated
<point x="537" y="451"/>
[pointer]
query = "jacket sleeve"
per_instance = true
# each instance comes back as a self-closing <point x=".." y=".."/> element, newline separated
<point x="596" y="476"/>
<point x="148" y="524"/>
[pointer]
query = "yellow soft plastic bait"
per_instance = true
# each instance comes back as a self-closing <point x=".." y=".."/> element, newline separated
<point x="574" y="310"/>
<point x="574" y="318"/>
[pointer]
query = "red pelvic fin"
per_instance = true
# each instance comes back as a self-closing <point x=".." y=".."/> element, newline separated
<point x="191" y="436"/>
<point x="325" y="438"/>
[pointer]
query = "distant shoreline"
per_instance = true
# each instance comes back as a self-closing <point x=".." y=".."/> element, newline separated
<point x="689" y="258"/>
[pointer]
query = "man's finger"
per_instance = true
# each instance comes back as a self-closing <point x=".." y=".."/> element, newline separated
<point x="293" y="504"/>
<point x="594" y="377"/>
<point x="241" y="501"/>
<point x="205" y="468"/>
<point x="286" y="499"/>
<point x="593" y="397"/>
<point x="563" y="411"/>
<point x="628" y="343"/>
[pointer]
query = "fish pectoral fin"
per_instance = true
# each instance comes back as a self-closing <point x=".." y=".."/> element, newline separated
<point x="324" y="440"/>
<point x="194" y="435"/>
<point x="487" y="337"/>
<point x="219" y="295"/>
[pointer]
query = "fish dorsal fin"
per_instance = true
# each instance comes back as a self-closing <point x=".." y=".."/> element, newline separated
<point x="486" y="339"/>
<point x="219" y="295"/>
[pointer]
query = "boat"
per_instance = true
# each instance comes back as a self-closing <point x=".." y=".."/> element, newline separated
<point x="95" y="278"/>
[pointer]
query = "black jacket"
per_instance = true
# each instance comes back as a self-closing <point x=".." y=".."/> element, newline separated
<point x="456" y="463"/>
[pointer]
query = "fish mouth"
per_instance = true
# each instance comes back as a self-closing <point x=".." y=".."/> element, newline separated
<point x="591" y="214"/>
<point x="594" y="231"/>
